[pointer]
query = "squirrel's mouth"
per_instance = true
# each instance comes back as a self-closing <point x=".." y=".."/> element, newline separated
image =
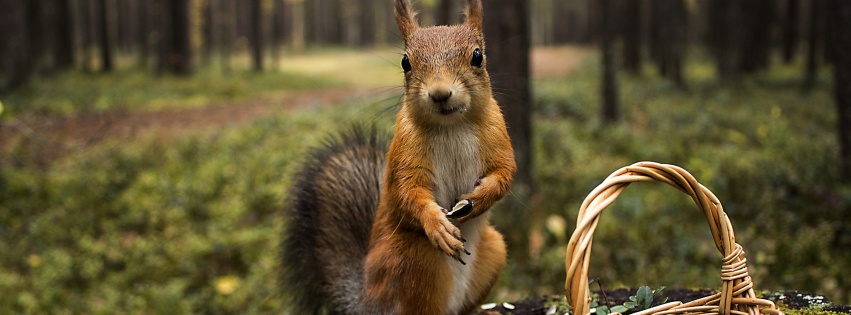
<point x="446" y="111"/>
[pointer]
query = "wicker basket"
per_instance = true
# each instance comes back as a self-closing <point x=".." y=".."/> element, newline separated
<point x="736" y="295"/>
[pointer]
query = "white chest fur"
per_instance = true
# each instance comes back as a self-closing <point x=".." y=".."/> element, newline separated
<point x="457" y="166"/>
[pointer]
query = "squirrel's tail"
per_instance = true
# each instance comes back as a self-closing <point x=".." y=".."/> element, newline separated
<point x="331" y="206"/>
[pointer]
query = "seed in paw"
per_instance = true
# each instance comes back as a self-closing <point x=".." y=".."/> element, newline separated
<point x="462" y="208"/>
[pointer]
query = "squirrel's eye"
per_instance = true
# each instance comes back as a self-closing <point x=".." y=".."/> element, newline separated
<point x="406" y="64"/>
<point x="478" y="58"/>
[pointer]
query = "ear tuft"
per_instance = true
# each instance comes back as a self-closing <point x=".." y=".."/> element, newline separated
<point x="474" y="14"/>
<point x="405" y="18"/>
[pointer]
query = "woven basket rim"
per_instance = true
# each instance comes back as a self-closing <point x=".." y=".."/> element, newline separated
<point x="736" y="295"/>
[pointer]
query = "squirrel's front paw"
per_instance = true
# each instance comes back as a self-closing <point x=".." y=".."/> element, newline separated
<point x="447" y="237"/>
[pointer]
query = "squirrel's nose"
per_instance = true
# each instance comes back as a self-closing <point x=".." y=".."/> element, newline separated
<point x="440" y="95"/>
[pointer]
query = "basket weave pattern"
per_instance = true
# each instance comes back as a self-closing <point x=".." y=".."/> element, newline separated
<point x="736" y="295"/>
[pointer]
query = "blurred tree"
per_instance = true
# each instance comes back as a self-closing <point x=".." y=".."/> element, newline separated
<point x="840" y="17"/>
<point x="175" y="46"/>
<point x="790" y="29"/>
<point x="256" y="34"/>
<point x="755" y="23"/>
<point x="507" y="56"/>
<point x="143" y="31"/>
<point x="611" y="101"/>
<point x="367" y="22"/>
<point x="668" y="38"/>
<point x="122" y="24"/>
<point x="296" y="23"/>
<point x="15" y="58"/>
<point x="35" y="22"/>
<point x="740" y="35"/>
<point x="564" y="22"/>
<point x="722" y="37"/>
<point x="445" y="12"/>
<point x="86" y="32"/>
<point x="103" y="36"/>
<point x="63" y="50"/>
<point x="631" y="31"/>
<point x="349" y="25"/>
<point x="815" y="41"/>
<point x="208" y="30"/>
<point x="278" y="29"/>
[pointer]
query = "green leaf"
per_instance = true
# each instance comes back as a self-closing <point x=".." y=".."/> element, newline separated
<point x="619" y="309"/>
<point x="645" y="297"/>
<point x="629" y="304"/>
<point x="602" y="310"/>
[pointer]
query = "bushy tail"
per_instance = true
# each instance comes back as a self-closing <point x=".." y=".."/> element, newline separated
<point x="331" y="206"/>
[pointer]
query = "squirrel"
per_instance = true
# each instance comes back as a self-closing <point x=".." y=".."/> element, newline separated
<point x="404" y="228"/>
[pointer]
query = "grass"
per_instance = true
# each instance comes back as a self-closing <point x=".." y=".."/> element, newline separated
<point x="190" y="224"/>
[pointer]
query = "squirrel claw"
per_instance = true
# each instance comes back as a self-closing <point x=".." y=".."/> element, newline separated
<point x="462" y="261"/>
<point x="467" y="252"/>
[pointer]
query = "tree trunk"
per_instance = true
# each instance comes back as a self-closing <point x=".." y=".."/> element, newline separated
<point x="15" y="58"/>
<point x="86" y="33"/>
<point x="63" y="50"/>
<point x="722" y="38"/>
<point x="176" y="54"/>
<point x="756" y="23"/>
<point x="142" y="40"/>
<point x="277" y="31"/>
<point x="298" y="26"/>
<point x="507" y="36"/>
<point x="103" y="37"/>
<point x="670" y="32"/>
<point x="611" y="106"/>
<point x="367" y="22"/>
<point x="814" y="41"/>
<point x="632" y="36"/>
<point x="564" y="22"/>
<point x="256" y="35"/>
<point x="790" y="30"/>
<point x="840" y="17"/>
<point x="209" y="31"/>
<point x="444" y="13"/>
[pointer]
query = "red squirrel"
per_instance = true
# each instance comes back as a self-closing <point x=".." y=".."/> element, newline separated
<point x="407" y="232"/>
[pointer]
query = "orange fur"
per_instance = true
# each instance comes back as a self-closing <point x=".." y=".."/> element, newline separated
<point x="406" y="269"/>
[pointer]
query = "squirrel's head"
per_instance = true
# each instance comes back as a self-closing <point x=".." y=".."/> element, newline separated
<point x="445" y="76"/>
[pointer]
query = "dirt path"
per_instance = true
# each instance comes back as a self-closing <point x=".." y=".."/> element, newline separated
<point x="46" y="138"/>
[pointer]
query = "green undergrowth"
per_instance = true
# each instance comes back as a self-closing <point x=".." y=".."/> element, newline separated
<point x="159" y="226"/>
<point x="72" y="92"/>
<point x="766" y="149"/>
<point x="808" y="312"/>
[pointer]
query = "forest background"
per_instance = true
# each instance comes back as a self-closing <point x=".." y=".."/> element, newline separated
<point x="146" y="146"/>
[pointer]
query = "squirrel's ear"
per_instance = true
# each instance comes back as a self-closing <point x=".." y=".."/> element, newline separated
<point x="474" y="14"/>
<point x="405" y="18"/>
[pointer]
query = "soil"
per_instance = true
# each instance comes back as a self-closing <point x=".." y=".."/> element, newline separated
<point x="787" y="299"/>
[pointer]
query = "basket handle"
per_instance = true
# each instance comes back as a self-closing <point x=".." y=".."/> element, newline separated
<point x="736" y="281"/>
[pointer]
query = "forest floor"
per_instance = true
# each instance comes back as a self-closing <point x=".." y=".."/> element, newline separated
<point x="50" y="136"/>
<point x="547" y="305"/>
